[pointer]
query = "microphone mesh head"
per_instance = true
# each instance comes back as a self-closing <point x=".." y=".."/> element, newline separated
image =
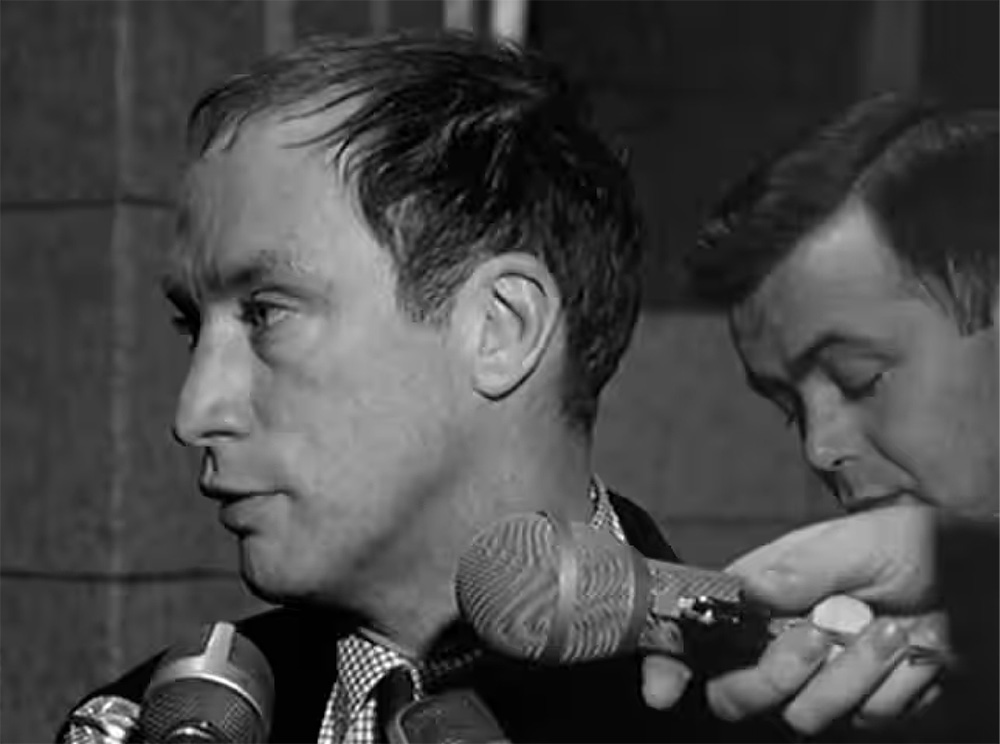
<point x="216" y="686"/>
<point x="508" y="588"/>
<point x="183" y="709"/>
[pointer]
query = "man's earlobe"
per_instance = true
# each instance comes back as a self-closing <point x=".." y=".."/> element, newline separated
<point x="520" y="306"/>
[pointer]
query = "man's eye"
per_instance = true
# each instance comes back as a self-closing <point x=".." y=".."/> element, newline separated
<point x="261" y="315"/>
<point x="857" y="387"/>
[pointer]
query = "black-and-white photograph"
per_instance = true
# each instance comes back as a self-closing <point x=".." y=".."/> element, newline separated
<point x="492" y="371"/>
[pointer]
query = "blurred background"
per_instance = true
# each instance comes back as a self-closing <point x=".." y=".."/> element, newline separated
<point x="107" y="549"/>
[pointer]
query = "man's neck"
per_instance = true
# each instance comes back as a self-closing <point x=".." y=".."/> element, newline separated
<point x="529" y="474"/>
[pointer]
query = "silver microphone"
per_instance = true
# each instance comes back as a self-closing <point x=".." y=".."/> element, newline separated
<point x="218" y="688"/>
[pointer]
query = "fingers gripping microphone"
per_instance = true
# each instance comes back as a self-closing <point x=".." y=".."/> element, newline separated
<point x="217" y="689"/>
<point x="541" y="590"/>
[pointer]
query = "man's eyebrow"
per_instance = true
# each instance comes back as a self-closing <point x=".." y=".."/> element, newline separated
<point x="194" y="277"/>
<point x="804" y="360"/>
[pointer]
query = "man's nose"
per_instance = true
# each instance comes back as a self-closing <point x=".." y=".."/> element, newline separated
<point x="214" y="402"/>
<point x="831" y="435"/>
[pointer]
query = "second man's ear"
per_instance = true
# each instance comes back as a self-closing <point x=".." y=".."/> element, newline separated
<point x="513" y="308"/>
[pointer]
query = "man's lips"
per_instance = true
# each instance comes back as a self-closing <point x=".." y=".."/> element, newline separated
<point x="237" y="507"/>
<point x="866" y="502"/>
<point x="228" y="494"/>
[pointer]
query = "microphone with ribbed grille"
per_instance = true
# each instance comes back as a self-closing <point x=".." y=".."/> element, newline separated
<point x="216" y="687"/>
<point x="536" y="588"/>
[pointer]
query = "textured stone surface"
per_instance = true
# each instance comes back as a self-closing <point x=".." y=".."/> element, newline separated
<point x="59" y="126"/>
<point x="178" y="50"/>
<point x="758" y="50"/>
<point x="348" y="17"/>
<point x="405" y="14"/>
<point x="54" y="651"/>
<point x="56" y="344"/>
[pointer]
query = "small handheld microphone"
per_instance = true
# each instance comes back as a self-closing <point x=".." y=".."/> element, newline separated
<point x="217" y="688"/>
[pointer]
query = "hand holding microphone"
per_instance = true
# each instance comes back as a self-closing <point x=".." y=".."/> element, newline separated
<point x="886" y="557"/>
<point x="540" y="590"/>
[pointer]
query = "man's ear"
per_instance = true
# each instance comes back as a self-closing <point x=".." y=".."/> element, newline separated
<point x="511" y="308"/>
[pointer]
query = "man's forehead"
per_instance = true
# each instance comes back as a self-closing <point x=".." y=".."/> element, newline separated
<point x="240" y="180"/>
<point x="219" y="241"/>
<point x="841" y="278"/>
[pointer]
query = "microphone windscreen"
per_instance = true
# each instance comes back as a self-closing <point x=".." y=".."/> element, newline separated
<point x="535" y="594"/>
<point x="216" y="687"/>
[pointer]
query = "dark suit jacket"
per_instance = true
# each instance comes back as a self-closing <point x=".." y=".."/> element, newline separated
<point x="592" y="702"/>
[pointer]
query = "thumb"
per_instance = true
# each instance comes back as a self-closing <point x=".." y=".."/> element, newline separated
<point x="664" y="680"/>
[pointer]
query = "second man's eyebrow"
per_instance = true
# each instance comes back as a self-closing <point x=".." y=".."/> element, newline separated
<point x="805" y="359"/>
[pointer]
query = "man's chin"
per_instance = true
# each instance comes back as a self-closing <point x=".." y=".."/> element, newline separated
<point x="263" y="582"/>
<point x="265" y="592"/>
<point x="276" y="587"/>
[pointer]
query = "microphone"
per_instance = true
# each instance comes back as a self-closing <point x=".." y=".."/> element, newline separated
<point x="216" y="688"/>
<point x="452" y="717"/>
<point x="538" y="589"/>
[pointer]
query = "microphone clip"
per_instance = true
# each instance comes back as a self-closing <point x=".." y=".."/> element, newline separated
<point x="720" y="634"/>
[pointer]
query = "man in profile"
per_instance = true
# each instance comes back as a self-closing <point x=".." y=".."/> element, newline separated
<point x="406" y="267"/>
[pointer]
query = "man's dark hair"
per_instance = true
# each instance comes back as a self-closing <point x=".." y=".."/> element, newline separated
<point x="927" y="176"/>
<point x="458" y="149"/>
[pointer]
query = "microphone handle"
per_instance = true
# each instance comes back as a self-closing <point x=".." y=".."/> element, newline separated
<point x="699" y="614"/>
<point x="702" y="614"/>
